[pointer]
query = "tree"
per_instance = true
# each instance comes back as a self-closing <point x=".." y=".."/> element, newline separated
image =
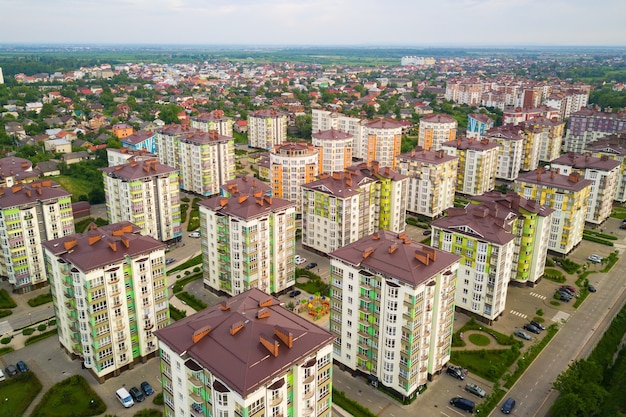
<point x="304" y="125"/>
<point x="169" y="114"/>
<point x="581" y="389"/>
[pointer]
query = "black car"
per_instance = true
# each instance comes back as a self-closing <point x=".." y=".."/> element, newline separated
<point x="11" y="370"/>
<point x="591" y="288"/>
<point x="532" y="328"/>
<point x="568" y="290"/>
<point x="427" y="232"/>
<point x="456" y="371"/>
<point x="538" y="325"/>
<point x="563" y="296"/>
<point x="311" y="265"/>
<point x="146" y="388"/>
<point x="295" y="293"/>
<point x="136" y="394"/>
<point x="21" y="366"/>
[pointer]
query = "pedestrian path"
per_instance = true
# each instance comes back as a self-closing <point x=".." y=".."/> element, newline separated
<point x="534" y="294"/>
<point x="517" y="313"/>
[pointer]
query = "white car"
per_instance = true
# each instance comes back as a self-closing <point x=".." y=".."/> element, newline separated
<point x="299" y="260"/>
<point x="195" y="234"/>
<point x="596" y="259"/>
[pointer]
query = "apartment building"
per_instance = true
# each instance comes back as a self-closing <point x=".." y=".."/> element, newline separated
<point x="121" y="156"/>
<point x="291" y="166"/>
<point x="141" y="140"/>
<point x="122" y="130"/>
<point x="381" y="141"/>
<point x="477" y="125"/>
<point x="247" y="356"/>
<point x="335" y="147"/>
<point x="213" y="120"/>
<point x="586" y="126"/>
<point x="266" y="128"/>
<point x="14" y="170"/>
<point x="392" y="310"/>
<point x="29" y="215"/>
<point x="510" y="139"/>
<point x="568" y="101"/>
<point x="248" y="241"/>
<point x="483" y="238"/>
<point x="205" y="160"/>
<point x="550" y="133"/>
<point x="468" y="91"/>
<point x="568" y="195"/>
<point x="432" y="179"/>
<point x="341" y="208"/>
<point x="517" y="115"/>
<point x="434" y="130"/>
<point x="322" y="120"/>
<point x="478" y="164"/>
<point x="530" y="224"/>
<point x="109" y="290"/>
<point x="603" y="172"/>
<point x="614" y="147"/>
<point x="147" y="194"/>
<point x="245" y="185"/>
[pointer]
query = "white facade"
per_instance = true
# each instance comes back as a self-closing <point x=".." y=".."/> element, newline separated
<point x="266" y="128"/>
<point x="291" y="166"/>
<point x="335" y="148"/>
<point x="434" y="130"/>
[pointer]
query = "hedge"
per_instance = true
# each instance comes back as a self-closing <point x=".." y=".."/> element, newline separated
<point x="180" y="284"/>
<point x="41" y="336"/>
<point x="351" y="406"/>
<point x="598" y="240"/>
<point x="187" y="264"/>
<point x="176" y="314"/>
<point x="40" y="300"/>
<point x="5" y="299"/>
<point x="191" y="301"/>
<point x="4" y="313"/>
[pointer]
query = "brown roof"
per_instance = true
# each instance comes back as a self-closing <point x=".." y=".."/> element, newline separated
<point x="508" y="131"/>
<point x="383" y="124"/>
<point x="438" y="118"/>
<point x="394" y="255"/>
<point x="138" y="137"/>
<point x="552" y="178"/>
<point x="246" y="206"/>
<point x="512" y="201"/>
<point x="419" y="154"/>
<point x="267" y="113"/>
<point x="198" y="137"/>
<point x="580" y="161"/>
<point x="135" y="170"/>
<point x="177" y="129"/>
<point x="471" y="143"/>
<point x="340" y="184"/>
<point x="226" y="340"/>
<point x="483" y="118"/>
<point x="331" y="134"/>
<point x="101" y="246"/>
<point x="614" y="143"/>
<point x="19" y="168"/>
<point x="21" y="194"/>
<point x="245" y="185"/>
<point x="487" y="221"/>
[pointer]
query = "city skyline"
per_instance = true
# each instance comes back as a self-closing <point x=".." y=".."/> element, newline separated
<point x="469" y="23"/>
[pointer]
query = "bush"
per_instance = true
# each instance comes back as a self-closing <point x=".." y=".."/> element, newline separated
<point x="6" y="349"/>
<point x="351" y="406"/>
<point x="42" y="327"/>
<point x="191" y="301"/>
<point x="52" y="322"/>
<point x="5" y="299"/>
<point x="568" y="265"/>
<point x="176" y="314"/>
<point x="6" y="340"/>
<point x="597" y="240"/>
<point x="40" y="299"/>
<point x="28" y="331"/>
<point x="158" y="399"/>
<point x="4" y="313"/>
<point x="41" y="336"/>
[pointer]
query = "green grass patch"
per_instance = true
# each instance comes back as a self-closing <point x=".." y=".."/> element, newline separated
<point x="158" y="399"/>
<point x="488" y="364"/>
<point x="5" y="300"/>
<point x="501" y="338"/>
<point x="555" y="303"/>
<point x="610" y="261"/>
<point x="148" y="412"/>
<point x="81" y="225"/>
<point x="479" y="339"/>
<point x="74" y="185"/>
<point x="41" y="336"/>
<point x="70" y="397"/>
<point x="17" y="393"/>
<point x="598" y="240"/>
<point x="183" y="212"/>
<point x="176" y="314"/>
<point x="530" y="355"/>
<point x="191" y="300"/>
<point x="351" y="406"/>
<point x="314" y="284"/>
<point x="196" y="260"/>
<point x="4" y="313"/>
<point x="618" y="212"/>
<point x="539" y="319"/>
<point x="491" y="401"/>
<point x="599" y="235"/>
<point x="554" y="275"/>
<point x="40" y="300"/>
<point x="6" y="349"/>
<point x="180" y="284"/>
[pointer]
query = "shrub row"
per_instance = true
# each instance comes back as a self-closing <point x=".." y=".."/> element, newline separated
<point x="180" y="284"/>
<point x="191" y="301"/>
<point x="41" y="336"/>
<point x="187" y="264"/>
<point x="176" y="314"/>
<point x="351" y="406"/>
<point x="40" y="299"/>
<point x="597" y="240"/>
<point x="600" y="235"/>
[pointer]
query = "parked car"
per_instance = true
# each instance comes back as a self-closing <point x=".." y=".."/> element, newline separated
<point x="532" y="328"/>
<point x="295" y="293"/>
<point x="311" y="265"/>
<point x="11" y="370"/>
<point x="195" y="234"/>
<point x="569" y="288"/>
<point x="169" y="261"/>
<point x="137" y="394"/>
<point x="21" y="366"/>
<point x="562" y="296"/>
<point x="521" y="334"/>
<point x="596" y="259"/>
<point x="124" y="397"/>
<point x="475" y="389"/>
<point x="565" y="292"/>
<point x="147" y="388"/>
<point x="457" y="372"/>
<point x="508" y="406"/>
<point x="538" y="325"/>
<point x="463" y="404"/>
<point x="591" y="288"/>
<point x="427" y="232"/>
<point x="299" y="260"/>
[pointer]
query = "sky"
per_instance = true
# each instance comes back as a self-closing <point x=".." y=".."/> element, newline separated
<point x="416" y="23"/>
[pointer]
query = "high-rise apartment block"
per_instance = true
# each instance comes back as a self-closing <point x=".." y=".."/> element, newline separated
<point x="29" y="215"/>
<point x="326" y="120"/>
<point x="568" y="195"/>
<point x="335" y="148"/>
<point x="341" y="208"/>
<point x="266" y="128"/>
<point x="614" y="147"/>
<point x="291" y="166"/>
<point x="552" y="131"/>
<point x="247" y="356"/>
<point x="510" y="138"/>
<point x="517" y="115"/>
<point x="586" y="126"/>
<point x="122" y="156"/>
<point x="477" y="125"/>
<point x="478" y="164"/>
<point x="248" y="241"/>
<point x="381" y="141"/>
<point x="109" y="290"/>
<point x="214" y="120"/>
<point x="146" y="194"/>
<point x="603" y="172"/>
<point x="431" y="180"/>
<point x="435" y="129"/>
<point x="392" y="309"/>
<point x="205" y="160"/>
<point x="142" y="140"/>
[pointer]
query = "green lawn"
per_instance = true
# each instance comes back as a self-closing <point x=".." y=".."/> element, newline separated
<point x="70" y="397"/>
<point x="17" y="393"/>
<point x="489" y="364"/>
<point x="5" y="300"/>
<point x="76" y="186"/>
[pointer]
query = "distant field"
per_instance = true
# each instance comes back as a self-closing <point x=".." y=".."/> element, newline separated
<point x="76" y="186"/>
